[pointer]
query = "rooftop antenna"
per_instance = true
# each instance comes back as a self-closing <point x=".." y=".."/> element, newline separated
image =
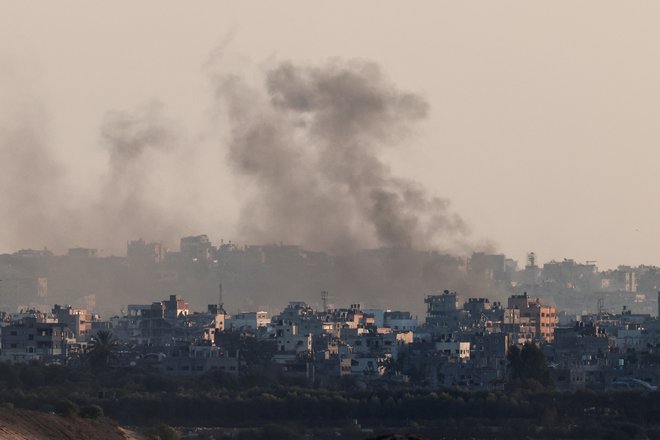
<point x="601" y="306"/>
<point x="220" y="302"/>
<point x="324" y="298"/>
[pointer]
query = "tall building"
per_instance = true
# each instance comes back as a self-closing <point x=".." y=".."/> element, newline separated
<point x="528" y="312"/>
<point x="442" y="310"/>
<point x="175" y="307"/>
<point x="196" y="248"/>
<point x="79" y="321"/>
<point x="141" y="253"/>
<point x="491" y="267"/>
<point x="28" y="339"/>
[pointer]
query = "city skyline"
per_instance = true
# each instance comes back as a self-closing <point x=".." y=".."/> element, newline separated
<point x="368" y="220"/>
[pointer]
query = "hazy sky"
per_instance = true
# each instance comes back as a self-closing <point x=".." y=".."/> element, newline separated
<point x="543" y="126"/>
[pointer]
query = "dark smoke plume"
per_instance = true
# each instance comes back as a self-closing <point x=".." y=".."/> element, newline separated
<point x="30" y="179"/>
<point x="145" y="190"/>
<point x="134" y="191"/>
<point x="309" y="142"/>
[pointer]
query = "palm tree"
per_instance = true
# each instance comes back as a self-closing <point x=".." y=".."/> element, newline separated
<point x="102" y="350"/>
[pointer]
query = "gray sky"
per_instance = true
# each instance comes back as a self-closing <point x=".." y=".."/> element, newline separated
<point x="542" y="130"/>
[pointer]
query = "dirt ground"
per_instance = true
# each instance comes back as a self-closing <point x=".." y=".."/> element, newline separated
<point x="16" y="424"/>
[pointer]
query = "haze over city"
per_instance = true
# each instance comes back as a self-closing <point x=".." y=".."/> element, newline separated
<point x="504" y="127"/>
<point x="370" y="220"/>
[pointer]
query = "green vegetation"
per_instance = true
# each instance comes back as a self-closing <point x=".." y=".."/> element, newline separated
<point x="528" y="366"/>
<point x="91" y="412"/>
<point x="163" y="432"/>
<point x="288" y="407"/>
<point x="102" y="350"/>
<point x="66" y="408"/>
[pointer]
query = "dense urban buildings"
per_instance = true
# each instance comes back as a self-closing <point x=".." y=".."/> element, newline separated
<point x="233" y="337"/>
<point x="262" y="278"/>
<point x="460" y="341"/>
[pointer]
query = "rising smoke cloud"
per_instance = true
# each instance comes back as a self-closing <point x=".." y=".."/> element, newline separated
<point x="308" y="144"/>
<point x="144" y="191"/>
<point x="30" y="177"/>
<point x="142" y="145"/>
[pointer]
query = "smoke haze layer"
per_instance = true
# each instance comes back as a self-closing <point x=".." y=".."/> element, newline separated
<point x="305" y="144"/>
<point x="140" y="191"/>
<point x="30" y="178"/>
<point x="139" y="144"/>
<point x="308" y="144"/>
